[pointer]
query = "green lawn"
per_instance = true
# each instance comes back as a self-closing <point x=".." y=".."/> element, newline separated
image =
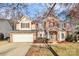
<point x="66" y="49"/>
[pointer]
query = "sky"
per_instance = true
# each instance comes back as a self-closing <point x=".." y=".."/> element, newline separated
<point x="34" y="9"/>
<point x="59" y="10"/>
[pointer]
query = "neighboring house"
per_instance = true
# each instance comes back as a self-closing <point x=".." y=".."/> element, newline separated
<point x="25" y="31"/>
<point x="54" y="29"/>
<point x="13" y="24"/>
<point x="5" y="27"/>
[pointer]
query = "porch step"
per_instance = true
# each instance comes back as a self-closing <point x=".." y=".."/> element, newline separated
<point x="53" y="42"/>
<point x="40" y="41"/>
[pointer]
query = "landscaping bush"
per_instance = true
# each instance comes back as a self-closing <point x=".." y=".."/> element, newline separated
<point x="69" y="38"/>
<point x="7" y="38"/>
<point x="76" y="36"/>
<point x="41" y="40"/>
<point x="72" y="38"/>
<point x="1" y="36"/>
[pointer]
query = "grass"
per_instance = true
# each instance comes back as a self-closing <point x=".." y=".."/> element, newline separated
<point x="38" y="51"/>
<point x="62" y="49"/>
<point x="68" y="49"/>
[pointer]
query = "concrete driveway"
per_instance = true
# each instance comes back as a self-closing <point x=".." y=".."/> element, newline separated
<point x="15" y="49"/>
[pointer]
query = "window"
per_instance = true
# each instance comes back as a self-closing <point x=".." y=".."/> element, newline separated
<point x="24" y="25"/>
<point x="62" y="26"/>
<point x="27" y="25"/>
<point x="51" y="36"/>
<point x="50" y="24"/>
<point x="40" y="35"/>
<point x="62" y="35"/>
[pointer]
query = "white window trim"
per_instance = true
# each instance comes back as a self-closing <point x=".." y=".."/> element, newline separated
<point x="25" y="25"/>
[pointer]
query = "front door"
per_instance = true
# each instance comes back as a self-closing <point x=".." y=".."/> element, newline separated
<point x="53" y="36"/>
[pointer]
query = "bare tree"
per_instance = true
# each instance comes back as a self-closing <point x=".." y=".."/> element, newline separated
<point x="13" y="11"/>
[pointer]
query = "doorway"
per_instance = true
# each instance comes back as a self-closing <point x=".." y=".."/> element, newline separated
<point x="53" y="35"/>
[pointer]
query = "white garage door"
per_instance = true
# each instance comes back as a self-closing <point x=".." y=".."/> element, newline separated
<point x="22" y="37"/>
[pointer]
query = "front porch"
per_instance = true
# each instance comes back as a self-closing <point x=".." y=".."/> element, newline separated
<point x="52" y="36"/>
<point x="56" y="36"/>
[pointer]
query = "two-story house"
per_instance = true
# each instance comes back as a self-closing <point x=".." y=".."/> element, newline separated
<point x="25" y="30"/>
<point x="54" y="29"/>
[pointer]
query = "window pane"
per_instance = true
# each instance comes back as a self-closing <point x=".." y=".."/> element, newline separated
<point x="22" y="25"/>
<point x="27" y="25"/>
<point x="62" y="35"/>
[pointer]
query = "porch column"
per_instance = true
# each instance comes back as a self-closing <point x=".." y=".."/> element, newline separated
<point x="48" y="35"/>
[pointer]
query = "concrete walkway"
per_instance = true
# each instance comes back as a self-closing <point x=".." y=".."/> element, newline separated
<point x="14" y="49"/>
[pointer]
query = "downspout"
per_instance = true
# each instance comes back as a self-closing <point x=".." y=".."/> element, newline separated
<point x="36" y="30"/>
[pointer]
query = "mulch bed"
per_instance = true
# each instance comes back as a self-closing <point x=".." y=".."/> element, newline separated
<point x="38" y="51"/>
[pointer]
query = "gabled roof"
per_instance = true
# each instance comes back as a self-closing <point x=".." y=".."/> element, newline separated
<point x="27" y="17"/>
<point x="52" y="17"/>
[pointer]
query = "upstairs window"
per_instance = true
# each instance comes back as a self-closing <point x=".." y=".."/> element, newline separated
<point x="27" y="25"/>
<point x="50" y="24"/>
<point x="24" y="25"/>
<point x="62" y="26"/>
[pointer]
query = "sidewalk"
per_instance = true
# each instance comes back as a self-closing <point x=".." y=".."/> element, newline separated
<point x="3" y="42"/>
<point x="14" y="49"/>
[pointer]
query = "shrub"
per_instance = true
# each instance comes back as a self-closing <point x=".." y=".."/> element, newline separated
<point x="69" y="38"/>
<point x="42" y="40"/>
<point x="7" y="38"/>
<point x="1" y="36"/>
<point x="72" y="38"/>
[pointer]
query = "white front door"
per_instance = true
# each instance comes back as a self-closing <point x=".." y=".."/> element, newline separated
<point x="22" y="37"/>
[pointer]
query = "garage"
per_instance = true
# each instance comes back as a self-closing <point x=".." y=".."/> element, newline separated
<point x="22" y="36"/>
